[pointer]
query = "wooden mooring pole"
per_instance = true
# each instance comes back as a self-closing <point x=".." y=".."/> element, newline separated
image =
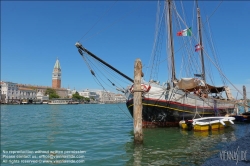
<point x="245" y="98"/>
<point x="137" y="109"/>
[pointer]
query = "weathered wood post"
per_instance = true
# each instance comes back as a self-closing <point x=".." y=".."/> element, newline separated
<point x="245" y="98"/>
<point x="137" y="109"/>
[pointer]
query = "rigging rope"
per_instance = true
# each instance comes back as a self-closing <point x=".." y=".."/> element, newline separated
<point x="92" y="72"/>
<point x="98" y="82"/>
<point x="121" y="18"/>
<point x="192" y="66"/>
<point x="214" y="53"/>
<point x="108" y="71"/>
<point x="195" y="39"/>
<point x="221" y="72"/>
<point x="100" y="77"/>
<point x="98" y="20"/>
<point x="189" y="50"/>
<point x="214" y="11"/>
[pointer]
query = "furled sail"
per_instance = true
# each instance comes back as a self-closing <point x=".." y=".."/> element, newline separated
<point x="192" y="84"/>
<point x="188" y="83"/>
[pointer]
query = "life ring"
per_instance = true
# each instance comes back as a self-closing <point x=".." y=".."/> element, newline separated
<point x="144" y="88"/>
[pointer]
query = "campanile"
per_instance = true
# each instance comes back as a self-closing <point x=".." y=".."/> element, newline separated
<point x="56" y="75"/>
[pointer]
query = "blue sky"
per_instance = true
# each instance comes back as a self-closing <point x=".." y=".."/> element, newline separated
<point x="34" y="34"/>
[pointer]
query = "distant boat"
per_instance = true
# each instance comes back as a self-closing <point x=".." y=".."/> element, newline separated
<point x="73" y="102"/>
<point x="24" y="102"/>
<point x="62" y="101"/>
<point x="37" y="102"/>
<point x="58" y="101"/>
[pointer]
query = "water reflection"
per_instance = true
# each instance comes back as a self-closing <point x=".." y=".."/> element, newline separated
<point x="53" y="123"/>
<point x="173" y="146"/>
<point x="137" y="155"/>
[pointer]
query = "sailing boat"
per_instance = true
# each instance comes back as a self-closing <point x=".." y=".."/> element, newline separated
<point x="178" y="99"/>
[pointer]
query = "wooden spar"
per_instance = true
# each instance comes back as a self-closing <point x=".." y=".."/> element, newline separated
<point x="245" y="99"/>
<point x="170" y="39"/>
<point x="81" y="48"/>
<point x="137" y="109"/>
<point x="203" y="76"/>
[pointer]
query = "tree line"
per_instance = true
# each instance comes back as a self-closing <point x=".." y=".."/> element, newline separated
<point x="53" y="95"/>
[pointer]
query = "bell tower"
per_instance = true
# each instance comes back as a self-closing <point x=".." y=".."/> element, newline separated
<point x="56" y="75"/>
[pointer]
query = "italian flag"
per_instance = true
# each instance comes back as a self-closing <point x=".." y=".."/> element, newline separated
<point x="185" y="32"/>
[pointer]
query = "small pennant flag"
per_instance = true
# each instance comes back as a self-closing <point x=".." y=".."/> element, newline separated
<point x="185" y="32"/>
<point x="197" y="47"/>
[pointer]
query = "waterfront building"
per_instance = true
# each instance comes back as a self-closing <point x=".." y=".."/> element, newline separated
<point x="9" y="91"/>
<point x="105" y="96"/>
<point x="16" y="93"/>
<point x="37" y="88"/>
<point x="69" y="93"/>
<point x="56" y="75"/>
<point x="88" y="94"/>
<point x="62" y="92"/>
<point x="2" y="96"/>
<point x="119" y="98"/>
<point x="1" y="92"/>
<point x="27" y="94"/>
<point x="73" y="91"/>
<point x="41" y="97"/>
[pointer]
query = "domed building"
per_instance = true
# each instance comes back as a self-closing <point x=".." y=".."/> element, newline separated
<point x="41" y="97"/>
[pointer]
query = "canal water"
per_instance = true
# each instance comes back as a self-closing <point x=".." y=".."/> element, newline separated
<point x="100" y="134"/>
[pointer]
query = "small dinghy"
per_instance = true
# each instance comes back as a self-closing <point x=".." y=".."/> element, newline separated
<point x="207" y="123"/>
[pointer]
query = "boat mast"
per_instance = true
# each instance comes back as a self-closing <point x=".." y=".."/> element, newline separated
<point x="81" y="48"/>
<point x="203" y="76"/>
<point x="170" y="39"/>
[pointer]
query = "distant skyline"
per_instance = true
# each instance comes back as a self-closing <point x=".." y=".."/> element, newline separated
<point x="35" y="33"/>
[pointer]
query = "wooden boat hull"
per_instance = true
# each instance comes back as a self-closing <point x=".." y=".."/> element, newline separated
<point x="241" y="118"/>
<point x="163" y="113"/>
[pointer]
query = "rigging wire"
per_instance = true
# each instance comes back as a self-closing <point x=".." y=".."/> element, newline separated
<point x="214" y="11"/>
<point x="221" y="72"/>
<point x="212" y="46"/>
<point x="108" y="71"/>
<point x="195" y="39"/>
<point x="155" y="55"/>
<point x="192" y="65"/>
<point x="214" y="52"/>
<point x="100" y="76"/>
<point x="92" y="72"/>
<point x="156" y="34"/>
<point x="98" y="20"/>
<point x="121" y="18"/>
<point x="99" y="82"/>
<point x="157" y="52"/>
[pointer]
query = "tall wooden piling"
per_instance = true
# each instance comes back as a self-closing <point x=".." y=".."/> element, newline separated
<point x="137" y="109"/>
<point x="245" y="98"/>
